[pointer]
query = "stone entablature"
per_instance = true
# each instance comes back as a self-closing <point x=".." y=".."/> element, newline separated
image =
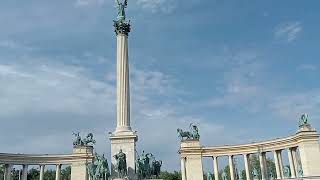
<point x="31" y="159"/>
<point x="265" y="146"/>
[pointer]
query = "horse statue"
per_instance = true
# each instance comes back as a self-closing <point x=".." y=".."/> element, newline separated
<point x="144" y="165"/>
<point x="121" y="164"/>
<point x="192" y="134"/>
<point x="89" y="139"/>
<point x="156" y="168"/>
<point x="83" y="142"/>
<point x="99" y="169"/>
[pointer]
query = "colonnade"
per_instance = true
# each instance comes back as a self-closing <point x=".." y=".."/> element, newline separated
<point x="303" y="155"/>
<point x="278" y="160"/>
<point x="24" y="173"/>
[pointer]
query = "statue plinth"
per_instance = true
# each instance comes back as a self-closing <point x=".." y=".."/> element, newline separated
<point x="305" y="128"/>
<point x="125" y="141"/>
<point x="83" y="150"/>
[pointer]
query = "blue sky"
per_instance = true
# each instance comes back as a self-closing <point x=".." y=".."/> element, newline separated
<point x="243" y="70"/>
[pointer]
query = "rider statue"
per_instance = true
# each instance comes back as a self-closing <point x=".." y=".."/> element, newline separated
<point x="121" y="164"/>
<point x="192" y="134"/>
<point x="98" y="169"/>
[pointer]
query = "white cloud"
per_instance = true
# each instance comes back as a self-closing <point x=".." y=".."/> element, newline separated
<point x="288" y="31"/>
<point x="307" y="67"/>
<point x="45" y="102"/>
<point x="154" y="6"/>
<point x="292" y="105"/>
<point x="80" y="3"/>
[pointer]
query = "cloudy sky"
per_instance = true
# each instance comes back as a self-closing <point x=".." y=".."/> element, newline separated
<point x="242" y="70"/>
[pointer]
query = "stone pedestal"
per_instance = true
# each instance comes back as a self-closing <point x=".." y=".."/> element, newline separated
<point x="126" y="141"/>
<point x="309" y="151"/>
<point x="79" y="168"/>
<point x="191" y="151"/>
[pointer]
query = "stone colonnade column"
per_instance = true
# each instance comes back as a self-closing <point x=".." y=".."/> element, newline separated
<point x="42" y="171"/>
<point x="24" y="172"/>
<point x="277" y="164"/>
<point x="291" y="162"/>
<point x="246" y="165"/>
<point x="280" y="163"/>
<point x="215" y="167"/>
<point x="295" y="159"/>
<point x="7" y="172"/>
<point x="58" y="172"/>
<point x="183" y="168"/>
<point x="262" y="159"/>
<point x="231" y="166"/>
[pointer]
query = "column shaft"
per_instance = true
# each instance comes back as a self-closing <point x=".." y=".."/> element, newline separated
<point x="42" y="172"/>
<point x="295" y="160"/>
<point x="123" y="95"/>
<point x="291" y="162"/>
<point x="231" y="166"/>
<point x="215" y="167"/>
<point x="58" y="172"/>
<point x="262" y="165"/>
<point x="183" y="168"/>
<point x="280" y="163"/>
<point x="246" y="166"/>
<point x="277" y="164"/>
<point x="24" y="172"/>
<point x="7" y="172"/>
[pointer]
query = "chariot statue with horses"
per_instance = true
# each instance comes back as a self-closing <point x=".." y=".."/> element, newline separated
<point x="192" y="134"/>
<point x="87" y="141"/>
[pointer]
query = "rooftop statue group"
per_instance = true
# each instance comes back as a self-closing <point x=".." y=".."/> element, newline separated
<point x="303" y="120"/>
<point x="87" y="141"/>
<point x="192" y="134"/>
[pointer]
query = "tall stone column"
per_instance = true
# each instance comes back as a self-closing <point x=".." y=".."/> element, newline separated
<point x="42" y="172"/>
<point x="231" y="165"/>
<point x="277" y="164"/>
<point x="24" y="172"/>
<point x="295" y="160"/>
<point x="262" y="158"/>
<point x="183" y="168"/>
<point x="58" y="172"/>
<point x="291" y="163"/>
<point x="279" y="152"/>
<point x="215" y="167"/>
<point x="123" y="138"/>
<point x="7" y="171"/>
<point x="246" y="166"/>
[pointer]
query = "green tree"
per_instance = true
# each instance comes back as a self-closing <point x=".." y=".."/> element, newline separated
<point x="165" y="175"/>
<point x="1" y="172"/>
<point x="33" y="174"/>
<point x="49" y="175"/>
<point x="66" y="173"/>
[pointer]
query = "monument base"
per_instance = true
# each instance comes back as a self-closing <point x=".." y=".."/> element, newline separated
<point x="125" y="141"/>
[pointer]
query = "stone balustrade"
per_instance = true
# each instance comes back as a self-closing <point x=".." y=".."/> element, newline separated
<point x="305" y="141"/>
<point x="77" y="160"/>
